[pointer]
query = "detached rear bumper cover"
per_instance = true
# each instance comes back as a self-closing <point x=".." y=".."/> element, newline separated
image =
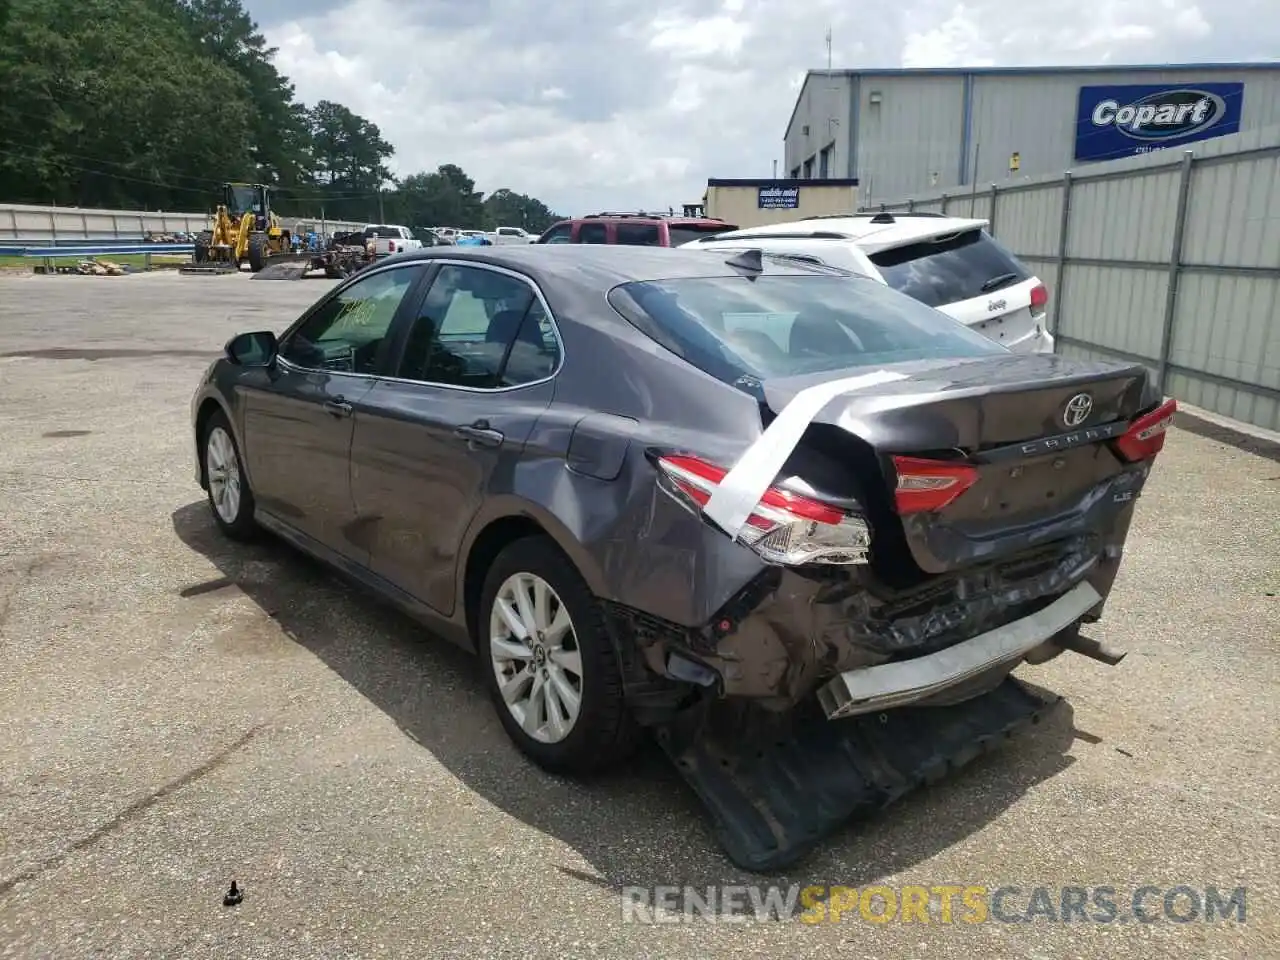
<point x="904" y="682"/>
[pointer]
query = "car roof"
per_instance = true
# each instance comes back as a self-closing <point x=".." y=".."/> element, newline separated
<point x="646" y="219"/>
<point x="604" y="266"/>
<point x="872" y="232"/>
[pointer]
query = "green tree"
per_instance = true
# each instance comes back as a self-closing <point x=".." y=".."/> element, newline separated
<point x="71" y="130"/>
<point x="506" y="208"/>
<point x="280" y="141"/>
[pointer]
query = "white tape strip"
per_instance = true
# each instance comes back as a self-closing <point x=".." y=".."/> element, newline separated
<point x="753" y="474"/>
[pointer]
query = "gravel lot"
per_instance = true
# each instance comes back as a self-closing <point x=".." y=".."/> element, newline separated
<point x="176" y="712"/>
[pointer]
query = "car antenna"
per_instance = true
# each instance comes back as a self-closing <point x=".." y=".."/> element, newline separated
<point x="750" y="261"/>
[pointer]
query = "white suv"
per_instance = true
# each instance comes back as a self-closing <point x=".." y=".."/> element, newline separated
<point x="949" y="263"/>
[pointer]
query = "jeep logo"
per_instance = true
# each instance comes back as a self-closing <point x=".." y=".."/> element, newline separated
<point x="995" y="305"/>
<point x="1161" y="116"/>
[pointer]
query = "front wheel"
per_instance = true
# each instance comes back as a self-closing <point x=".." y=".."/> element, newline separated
<point x="549" y="663"/>
<point x="230" y="498"/>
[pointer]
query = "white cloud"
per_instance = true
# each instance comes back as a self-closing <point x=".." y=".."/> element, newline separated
<point x="593" y="104"/>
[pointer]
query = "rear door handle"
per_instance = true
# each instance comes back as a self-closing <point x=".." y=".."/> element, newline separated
<point x="338" y="407"/>
<point x="480" y="434"/>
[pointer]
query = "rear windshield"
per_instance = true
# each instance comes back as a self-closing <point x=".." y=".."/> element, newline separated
<point x="382" y="231"/>
<point x="687" y="233"/>
<point x="781" y="326"/>
<point x="950" y="269"/>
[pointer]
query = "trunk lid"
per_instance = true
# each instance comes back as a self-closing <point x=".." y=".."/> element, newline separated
<point x="1037" y="456"/>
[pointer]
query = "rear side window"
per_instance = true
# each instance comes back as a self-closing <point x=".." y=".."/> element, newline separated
<point x="951" y="269"/>
<point x="638" y="234"/>
<point x="687" y="233"/>
<point x="593" y="233"/>
<point x="781" y="326"/>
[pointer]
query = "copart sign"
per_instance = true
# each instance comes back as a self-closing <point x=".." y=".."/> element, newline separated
<point x="1119" y="121"/>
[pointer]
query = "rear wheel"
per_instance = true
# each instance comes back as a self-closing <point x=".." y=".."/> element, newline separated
<point x="549" y="663"/>
<point x="230" y="498"/>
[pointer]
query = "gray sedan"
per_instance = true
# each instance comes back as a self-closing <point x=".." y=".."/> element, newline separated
<point x="764" y="508"/>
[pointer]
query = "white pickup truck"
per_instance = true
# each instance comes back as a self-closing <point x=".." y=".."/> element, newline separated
<point x="505" y="235"/>
<point x="389" y="238"/>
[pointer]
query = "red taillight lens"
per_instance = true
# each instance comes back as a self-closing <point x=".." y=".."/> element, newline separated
<point x="1145" y="436"/>
<point x="391" y="246"/>
<point x="928" y="485"/>
<point x="1039" y="298"/>
<point x="784" y="527"/>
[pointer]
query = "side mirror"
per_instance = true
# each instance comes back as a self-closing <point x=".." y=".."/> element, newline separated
<point x="252" y="349"/>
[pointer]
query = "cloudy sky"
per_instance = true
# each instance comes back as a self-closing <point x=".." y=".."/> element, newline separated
<point x="607" y="104"/>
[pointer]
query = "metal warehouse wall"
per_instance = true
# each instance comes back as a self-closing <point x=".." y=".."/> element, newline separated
<point x="1035" y="115"/>
<point x="1170" y="259"/>
<point x="35" y="225"/>
<point x="915" y="138"/>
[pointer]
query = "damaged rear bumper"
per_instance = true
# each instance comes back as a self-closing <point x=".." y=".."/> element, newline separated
<point x="920" y="679"/>
<point x="789" y="633"/>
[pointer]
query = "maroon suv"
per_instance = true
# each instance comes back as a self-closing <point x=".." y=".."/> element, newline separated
<point x="635" y="230"/>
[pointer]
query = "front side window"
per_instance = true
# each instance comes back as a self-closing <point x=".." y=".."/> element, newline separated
<point x="482" y="329"/>
<point x="346" y="332"/>
<point x="561" y="233"/>
<point x="781" y="326"/>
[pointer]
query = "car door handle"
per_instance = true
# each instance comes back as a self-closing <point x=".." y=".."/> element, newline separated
<point x="479" y="433"/>
<point x="338" y="407"/>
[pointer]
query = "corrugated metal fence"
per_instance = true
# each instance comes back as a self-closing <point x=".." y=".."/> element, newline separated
<point x="1170" y="259"/>
<point x="24" y="224"/>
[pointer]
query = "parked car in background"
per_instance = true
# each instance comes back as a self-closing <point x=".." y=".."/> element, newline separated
<point x="950" y="263"/>
<point x="755" y="504"/>
<point x="634" y="230"/>
<point x="507" y="235"/>
<point x="391" y="238"/>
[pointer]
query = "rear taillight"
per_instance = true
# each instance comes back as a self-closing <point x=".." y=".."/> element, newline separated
<point x="928" y="485"/>
<point x="1039" y="298"/>
<point x="784" y="527"/>
<point x="391" y="246"/>
<point x="1145" y="436"/>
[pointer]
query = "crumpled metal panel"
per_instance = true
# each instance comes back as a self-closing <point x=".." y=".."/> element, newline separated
<point x="776" y="785"/>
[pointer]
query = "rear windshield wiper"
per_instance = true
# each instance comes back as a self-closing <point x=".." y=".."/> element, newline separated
<point x="999" y="281"/>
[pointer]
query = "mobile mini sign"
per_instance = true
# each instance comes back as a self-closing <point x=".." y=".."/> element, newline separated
<point x="1120" y="121"/>
<point x="778" y="198"/>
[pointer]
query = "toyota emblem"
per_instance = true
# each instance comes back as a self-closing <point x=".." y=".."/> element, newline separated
<point x="1077" y="410"/>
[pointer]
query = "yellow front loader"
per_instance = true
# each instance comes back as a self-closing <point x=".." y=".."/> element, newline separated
<point x="244" y="230"/>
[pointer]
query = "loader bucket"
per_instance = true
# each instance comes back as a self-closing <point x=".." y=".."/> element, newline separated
<point x="776" y="785"/>
<point x="208" y="268"/>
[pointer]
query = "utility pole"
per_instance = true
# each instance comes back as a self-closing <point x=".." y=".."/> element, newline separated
<point x="382" y="216"/>
<point x="828" y="49"/>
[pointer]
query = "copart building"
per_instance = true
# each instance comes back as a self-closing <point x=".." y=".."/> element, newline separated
<point x="899" y="132"/>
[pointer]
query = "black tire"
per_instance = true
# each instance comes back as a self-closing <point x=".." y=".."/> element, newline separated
<point x="240" y="524"/>
<point x="258" y="251"/>
<point x="604" y="733"/>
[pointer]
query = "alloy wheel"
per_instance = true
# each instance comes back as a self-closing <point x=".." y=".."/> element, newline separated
<point x="223" y="469"/>
<point x="535" y="657"/>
